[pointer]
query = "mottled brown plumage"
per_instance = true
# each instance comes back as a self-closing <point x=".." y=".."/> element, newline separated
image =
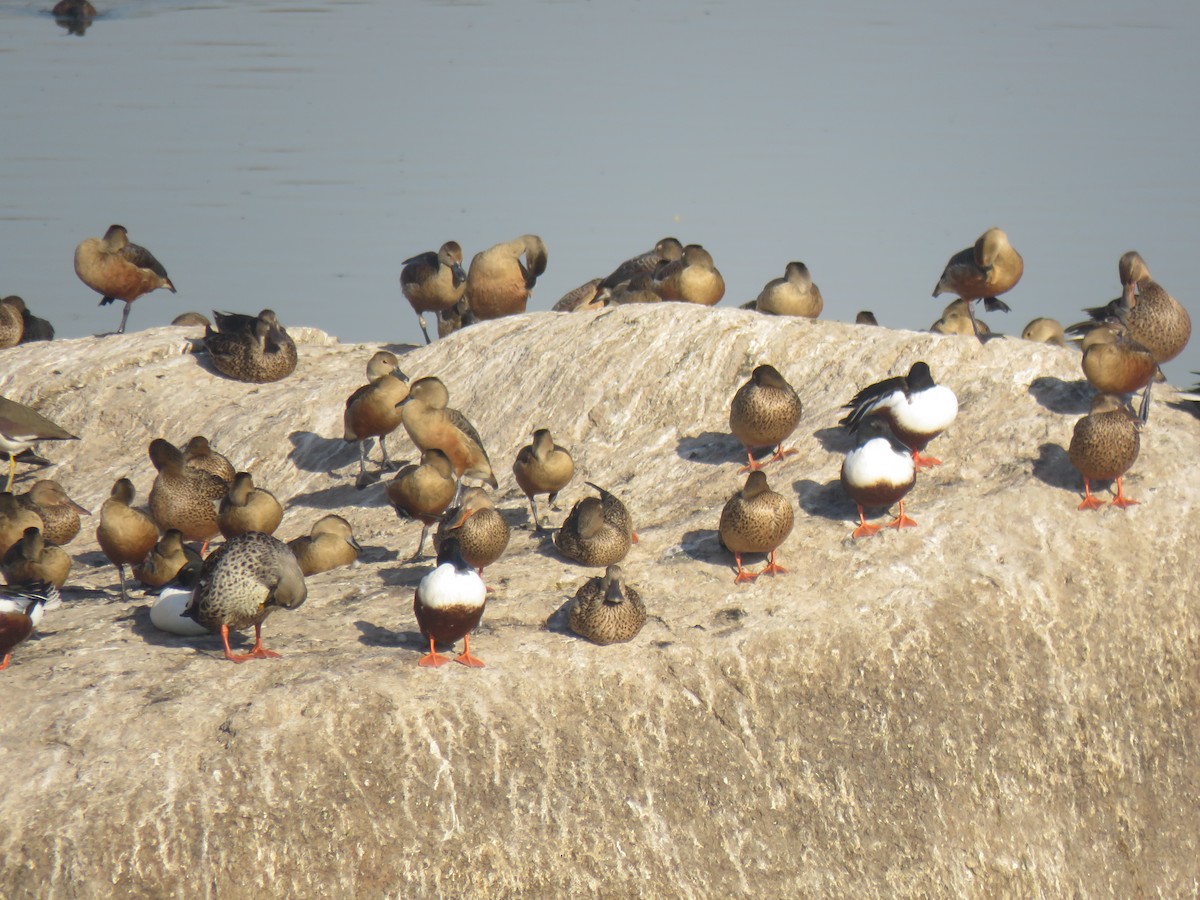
<point x="755" y="520"/>
<point x="182" y="497"/>
<point x="691" y="279"/>
<point x="587" y="537"/>
<point x="607" y="610"/>
<point x="165" y="560"/>
<point x="498" y="283"/>
<point x="615" y="511"/>
<point x="667" y="250"/>
<point x="35" y="328"/>
<point x="481" y="531"/>
<point x="263" y="353"/>
<point x="587" y="296"/>
<point x="638" y="289"/>
<point x="119" y="270"/>
<point x="542" y="467"/>
<point x="329" y="545"/>
<point x="126" y="535"/>
<point x="60" y="514"/>
<point x="199" y="454"/>
<point x="373" y="410"/>
<point x="764" y="413"/>
<point x="792" y="295"/>
<point x="33" y="559"/>
<point x="248" y="508"/>
<point x="424" y="492"/>
<point x="1156" y="320"/>
<point x="1104" y="446"/>
<point x="12" y="326"/>
<point x="434" y="282"/>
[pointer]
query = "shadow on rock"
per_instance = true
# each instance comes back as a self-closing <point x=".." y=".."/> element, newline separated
<point x="836" y="439"/>
<point x="140" y="624"/>
<point x="1053" y="467"/>
<point x="408" y="575"/>
<point x="1068" y="398"/>
<point x="339" y="496"/>
<point x="713" y="447"/>
<point x="829" y="500"/>
<point x="313" y="453"/>
<point x="377" y="636"/>
<point x="559" y="618"/>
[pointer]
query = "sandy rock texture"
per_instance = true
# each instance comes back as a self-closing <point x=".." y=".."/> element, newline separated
<point x="1001" y="701"/>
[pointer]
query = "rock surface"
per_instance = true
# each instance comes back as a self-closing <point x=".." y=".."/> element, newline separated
<point x="1000" y="701"/>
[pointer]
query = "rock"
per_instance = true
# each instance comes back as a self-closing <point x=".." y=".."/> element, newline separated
<point x="1000" y="701"/>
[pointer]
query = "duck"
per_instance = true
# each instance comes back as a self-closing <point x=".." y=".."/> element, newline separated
<point x="638" y="289"/>
<point x="449" y="604"/>
<point x="166" y="560"/>
<point x="589" y="537"/>
<point x="956" y="319"/>
<point x="585" y="297"/>
<point x="916" y="408"/>
<point x="167" y="613"/>
<point x="60" y="514"/>
<point x="454" y="319"/>
<point x="126" y="535"/>
<point x="241" y="583"/>
<point x="262" y="354"/>
<point x="1104" y="446"/>
<point x="433" y="282"/>
<point x="74" y="15"/>
<point x="693" y="278"/>
<point x="33" y="328"/>
<point x="424" y="491"/>
<point x="498" y="284"/>
<point x="34" y="559"/>
<point x="191" y="319"/>
<point x="12" y="326"/>
<point x="248" y="508"/>
<point x="119" y="270"/>
<point x="615" y="512"/>
<point x="542" y="467"/>
<point x="865" y="317"/>
<point x="606" y="609"/>
<point x="21" y="427"/>
<point x="1044" y="330"/>
<point x="21" y="611"/>
<point x="666" y="250"/>
<point x="1114" y="363"/>
<point x="755" y="519"/>
<point x="330" y="544"/>
<point x="14" y="519"/>
<point x="373" y="410"/>
<point x="983" y="272"/>
<point x="183" y="497"/>
<point x="792" y="295"/>
<point x="764" y="413"/>
<point x="481" y="531"/>
<point x="431" y="423"/>
<point x="199" y="454"/>
<point x="878" y="473"/>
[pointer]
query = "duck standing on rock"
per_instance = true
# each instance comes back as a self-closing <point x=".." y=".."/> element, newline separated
<point x="434" y="282"/>
<point x="982" y="272"/>
<point x="481" y="531"/>
<point x="118" y="270"/>
<point x="431" y="423"/>
<point x="498" y="284"/>
<point x="125" y="535"/>
<point x="21" y="610"/>
<point x="241" y="583"/>
<point x="916" y="408"/>
<point x="255" y="350"/>
<point x="543" y="467"/>
<point x="755" y="519"/>
<point x="1104" y="446"/>
<point x="20" y="428"/>
<point x="424" y="491"/>
<point x="878" y="473"/>
<point x="182" y="497"/>
<point x="764" y="413"/>
<point x="607" y="610"/>
<point x="373" y="410"/>
<point x="449" y="605"/>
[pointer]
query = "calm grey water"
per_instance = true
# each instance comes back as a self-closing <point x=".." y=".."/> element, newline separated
<point x="292" y="155"/>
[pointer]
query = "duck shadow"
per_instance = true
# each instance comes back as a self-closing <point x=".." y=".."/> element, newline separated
<point x="377" y="636"/>
<point x="1191" y="407"/>
<point x="1053" y="467"/>
<point x="558" y="621"/>
<point x="712" y="447"/>
<point x="313" y="453"/>
<point x="835" y="439"/>
<point x="1068" y="398"/>
<point x="703" y="545"/>
<point x="827" y="501"/>
<point x="93" y="559"/>
<point x="375" y="553"/>
<point x="339" y="496"/>
<point x="408" y="574"/>
<point x="140" y="624"/>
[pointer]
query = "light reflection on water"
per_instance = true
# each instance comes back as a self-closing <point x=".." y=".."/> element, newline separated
<point x="292" y="155"/>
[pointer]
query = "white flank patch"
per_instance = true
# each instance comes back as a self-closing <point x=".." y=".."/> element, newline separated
<point x="167" y="613"/>
<point x="878" y="462"/>
<point x="444" y="587"/>
<point x="928" y="412"/>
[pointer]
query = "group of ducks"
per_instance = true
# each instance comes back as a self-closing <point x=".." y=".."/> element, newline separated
<point x="252" y="572"/>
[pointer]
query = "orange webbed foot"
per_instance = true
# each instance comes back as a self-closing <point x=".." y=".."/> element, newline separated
<point x="1124" y="502"/>
<point x="925" y="462"/>
<point x="865" y="530"/>
<point x="773" y="568"/>
<point x="433" y="660"/>
<point x="742" y="574"/>
<point x="751" y="464"/>
<point x="780" y="453"/>
<point x="1091" y="502"/>
<point x="468" y="660"/>
<point x="4" y="665"/>
<point x="902" y="521"/>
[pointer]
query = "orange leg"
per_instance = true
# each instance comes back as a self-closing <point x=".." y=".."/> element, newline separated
<point x="1122" y="501"/>
<point x="257" y="652"/>
<point x="466" y="658"/>
<point x="863" y="529"/>
<point x="742" y="574"/>
<point x="432" y="658"/>
<point x="204" y="550"/>
<point x="780" y="453"/>
<point x="925" y="462"/>
<point x="901" y="521"/>
<point x="751" y="465"/>
<point x="4" y="665"/>
<point x="1090" y="501"/>
<point x="772" y="567"/>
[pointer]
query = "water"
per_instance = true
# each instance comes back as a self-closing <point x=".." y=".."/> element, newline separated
<point x="292" y="155"/>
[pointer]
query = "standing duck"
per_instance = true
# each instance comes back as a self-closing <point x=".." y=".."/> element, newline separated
<point x="606" y="610"/>
<point x="982" y="272"/>
<point x="481" y="531"/>
<point x="241" y="583"/>
<point x="329" y="545"/>
<point x="20" y="428"/>
<point x="118" y="270"/>
<point x="917" y="409"/>
<point x="589" y="537"/>
<point x="60" y="514"/>
<point x="166" y="560"/>
<point x="14" y="519"/>
<point x="1104" y="446"/>
<point x="199" y="454"/>
<point x="449" y="605"/>
<point x="33" y="559"/>
<point x="755" y="520"/>
<point x="373" y="410"/>
<point x="764" y="413"/>
<point x="182" y="497"/>
<point x="692" y="279"/>
<point x="261" y="353"/>
<point x="792" y="295"/>
<point x="21" y="609"/>
<point x="543" y="467"/>
<point x="878" y="473"/>
<point x="424" y="492"/>
<point x="431" y="423"/>
<point x="126" y="535"/>
<point x="498" y="284"/>
<point x="248" y="508"/>
<point x="434" y="282"/>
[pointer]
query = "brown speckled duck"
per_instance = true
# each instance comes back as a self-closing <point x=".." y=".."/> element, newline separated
<point x="242" y="582"/>
<point x="982" y="272"/>
<point x="481" y="531"/>
<point x="199" y="454"/>
<point x="585" y="297"/>
<point x="1156" y="320"/>
<point x="424" y="492"/>
<point x="118" y="270"/>
<point x="615" y="512"/>
<point x="764" y="413"/>
<point x="667" y="250"/>
<point x="498" y="284"/>
<point x="431" y="423"/>
<point x="14" y="519"/>
<point x="434" y="282"/>
<point x="638" y="289"/>
<point x="543" y="467"/>
<point x="60" y="514"/>
<point x="373" y="410"/>
<point x="248" y="508"/>
<point x="589" y="537"/>
<point x="792" y="295"/>
<point x="183" y="497"/>
<point x="606" y="610"/>
<point x="126" y="535"/>
<point x="20" y="428"/>
<point x="12" y="326"/>
<point x="264" y="353"/>
<point x="1104" y="446"/>
<point x="165" y="560"/>
<point x="755" y="520"/>
<point x="34" y="328"/>
<point x="329" y="545"/>
<point x="692" y="279"/>
<point x="33" y="559"/>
